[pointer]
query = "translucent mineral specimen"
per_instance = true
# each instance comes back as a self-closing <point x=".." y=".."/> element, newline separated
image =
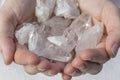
<point x="76" y="1"/>
<point x="57" y="40"/>
<point x="48" y="46"/>
<point x="57" y="37"/>
<point x="47" y="39"/>
<point x="57" y="25"/>
<point x="67" y="9"/>
<point x="37" y="39"/>
<point x="72" y="39"/>
<point x="84" y="34"/>
<point x="22" y="34"/>
<point x="80" y="24"/>
<point x="90" y="38"/>
<point x="54" y="52"/>
<point x="44" y="9"/>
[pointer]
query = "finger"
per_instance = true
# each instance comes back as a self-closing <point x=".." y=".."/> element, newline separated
<point x="7" y="26"/>
<point x="66" y="77"/>
<point x="7" y="48"/>
<point x="113" y="43"/>
<point x="56" y="68"/>
<point x="71" y="71"/>
<point x="43" y="65"/>
<point x="23" y="56"/>
<point x="98" y="55"/>
<point x="92" y="68"/>
<point x="112" y="24"/>
<point x="31" y="69"/>
<point x="86" y="67"/>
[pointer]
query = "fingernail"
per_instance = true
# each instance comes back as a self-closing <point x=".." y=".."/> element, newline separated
<point x="76" y="73"/>
<point x="82" y="67"/>
<point x="66" y="77"/>
<point x="72" y="74"/>
<point x="93" y="59"/>
<point x="41" y="70"/>
<point x="115" y="49"/>
<point x="48" y="73"/>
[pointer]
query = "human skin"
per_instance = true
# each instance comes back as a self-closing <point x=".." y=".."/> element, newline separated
<point x="15" y="12"/>
<point x="92" y="60"/>
<point x="12" y="14"/>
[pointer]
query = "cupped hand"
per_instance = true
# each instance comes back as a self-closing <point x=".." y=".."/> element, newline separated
<point x="92" y="60"/>
<point x="12" y="14"/>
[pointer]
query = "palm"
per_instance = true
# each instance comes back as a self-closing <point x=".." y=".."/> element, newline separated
<point x="16" y="12"/>
<point x="12" y="14"/>
<point x="23" y="9"/>
<point x="91" y="7"/>
<point x="100" y="11"/>
<point x="92" y="59"/>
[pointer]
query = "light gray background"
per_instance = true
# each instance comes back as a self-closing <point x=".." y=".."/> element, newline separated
<point x="111" y="70"/>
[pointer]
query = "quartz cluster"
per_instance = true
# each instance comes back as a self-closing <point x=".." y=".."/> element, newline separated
<point x="60" y="30"/>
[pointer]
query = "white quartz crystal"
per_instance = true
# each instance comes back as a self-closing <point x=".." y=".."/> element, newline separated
<point x="76" y="2"/>
<point x="57" y="40"/>
<point x="37" y="39"/>
<point x="44" y="9"/>
<point x="88" y="35"/>
<point x="45" y="40"/>
<point x="72" y="39"/>
<point x="22" y="34"/>
<point x="57" y="25"/>
<point x="80" y="24"/>
<point x="55" y="35"/>
<point x="67" y="9"/>
<point x="54" y="52"/>
<point x="90" y="38"/>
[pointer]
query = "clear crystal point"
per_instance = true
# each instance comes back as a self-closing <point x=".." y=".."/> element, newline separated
<point x="57" y="34"/>
<point x="44" y="9"/>
<point x="90" y="38"/>
<point x="67" y="9"/>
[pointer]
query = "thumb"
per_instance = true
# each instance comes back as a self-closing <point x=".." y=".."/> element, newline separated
<point x="113" y="43"/>
<point x="111" y="18"/>
<point x="66" y="77"/>
<point x="7" y="45"/>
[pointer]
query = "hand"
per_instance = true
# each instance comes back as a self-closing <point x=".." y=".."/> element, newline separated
<point x="12" y="14"/>
<point x="92" y="60"/>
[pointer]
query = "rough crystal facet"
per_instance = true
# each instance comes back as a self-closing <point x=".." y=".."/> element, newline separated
<point x="44" y="9"/>
<point x="90" y="38"/>
<point x="58" y="34"/>
<point x="67" y="9"/>
<point x="57" y="25"/>
<point x="22" y="34"/>
<point x="46" y="40"/>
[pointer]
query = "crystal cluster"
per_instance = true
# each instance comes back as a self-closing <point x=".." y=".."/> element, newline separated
<point x="67" y="9"/>
<point x="59" y="30"/>
<point x="44" y="9"/>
